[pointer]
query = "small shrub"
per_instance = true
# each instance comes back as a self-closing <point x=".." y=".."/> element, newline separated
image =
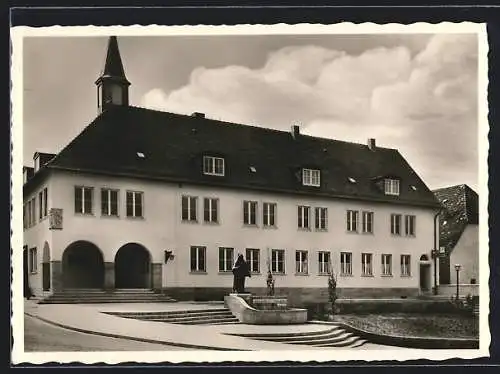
<point x="332" y="291"/>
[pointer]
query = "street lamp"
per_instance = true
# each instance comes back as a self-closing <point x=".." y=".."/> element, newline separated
<point x="457" y="269"/>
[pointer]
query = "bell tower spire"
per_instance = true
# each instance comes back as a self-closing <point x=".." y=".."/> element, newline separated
<point x="112" y="85"/>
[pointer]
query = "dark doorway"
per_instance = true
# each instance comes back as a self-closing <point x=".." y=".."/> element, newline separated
<point x="132" y="267"/>
<point x="425" y="281"/>
<point x="46" y="267"/>
<point x="26" y="282"/>
<point x="82" y="266"/>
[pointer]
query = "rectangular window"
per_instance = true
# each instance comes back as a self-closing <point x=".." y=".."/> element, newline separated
<point x="226" y="259"/>
<point x="396" y="224"/>
<point x="45" y="204"/>
<point x="40" y="205"/>
<point x="253" y="259"/>
<point x="391" y="186"/>
<point x="324" y="262"/>
<point x="109" y="202"/>
<point x="134" y="204"/>
<point x="405" y="266"/>
<point x="303" y="216"/>
<point x="33" y="261"/>
<point x="352" y="220"/>
<point x="278" y="261"/>
<point x="33" y="211"/>
<point x="189" y="208"/>
<point x="301" y="262"/>
<point x="198" y="256"/>
<point x="250" y="212"/>
<point x="410" y="225"/>
<point x="386" y="264"/>
<point x="213" y="165"/>
<point x="311" y="177"/>
<point x="346" y="263"/>
<point x="28" y="214"/>
<point x="366" y="264"/>
<point x="210" y="210"/>
<point x="320" y="218"/>
<point x="25" y="217"/>
<point x="269" y="214"/>
<point x="83" y="200"/>
<point x="368" y="222"/>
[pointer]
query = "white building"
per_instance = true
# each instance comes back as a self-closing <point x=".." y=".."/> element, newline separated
<point x="149" y="199"/>
<point x="459" y="238"/>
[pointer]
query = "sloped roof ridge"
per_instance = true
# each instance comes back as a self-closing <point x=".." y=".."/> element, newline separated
<point x="261" y="128"/>
<point x="74" y="140"/>
<point x="456" y="186"/>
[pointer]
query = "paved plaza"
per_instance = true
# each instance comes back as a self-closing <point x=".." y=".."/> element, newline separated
<point x="92" y="319"/>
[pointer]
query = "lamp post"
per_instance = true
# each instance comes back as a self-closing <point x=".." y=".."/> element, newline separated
<point x="457" y="269"/>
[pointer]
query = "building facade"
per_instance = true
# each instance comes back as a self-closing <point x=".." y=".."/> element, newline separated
<point x="149" y="199"/>
<point x="459" y="237"/>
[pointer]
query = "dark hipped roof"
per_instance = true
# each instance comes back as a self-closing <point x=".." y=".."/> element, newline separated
<point x="461" y="207"/>
<point x="173" y="146"/>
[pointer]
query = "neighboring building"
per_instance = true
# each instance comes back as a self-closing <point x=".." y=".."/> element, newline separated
<point x="149" y="199"/>
<point x="459" y="234"/>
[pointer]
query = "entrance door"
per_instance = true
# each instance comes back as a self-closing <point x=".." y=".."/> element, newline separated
<point x="425" y="283"/>
<point x="46" y="276"/>
<point x="46" y="267"/>
<point x="26" y="284"/>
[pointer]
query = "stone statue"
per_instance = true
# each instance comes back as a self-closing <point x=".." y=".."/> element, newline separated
<point x="241" y="270"/>
<point x="270" y="284"/>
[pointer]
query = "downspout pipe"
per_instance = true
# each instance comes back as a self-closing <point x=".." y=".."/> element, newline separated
<point x="435" y="251"/>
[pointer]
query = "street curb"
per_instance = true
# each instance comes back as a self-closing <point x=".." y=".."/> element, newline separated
<point x="144" y="340"/>
<point x="407" y="341"/>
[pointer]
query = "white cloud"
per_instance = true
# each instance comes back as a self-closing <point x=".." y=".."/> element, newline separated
<point x="407" y="102"/>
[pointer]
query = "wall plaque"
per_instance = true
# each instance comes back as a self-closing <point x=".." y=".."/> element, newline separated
<point x="56" y="219"/>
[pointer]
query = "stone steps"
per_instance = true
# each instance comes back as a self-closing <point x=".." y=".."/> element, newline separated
<point x="475" y="311"/>
<point x="332" y="333"/>
<point x="187" y="317"/>
<point x="96" y="296"/>
<point x="332" y="337"/>
<point x="171" y="314"/>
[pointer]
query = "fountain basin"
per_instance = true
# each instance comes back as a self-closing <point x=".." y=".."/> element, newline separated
<point x="268" y="310"/>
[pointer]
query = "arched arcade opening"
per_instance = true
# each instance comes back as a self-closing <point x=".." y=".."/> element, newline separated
<point x="132" y="267"/>
<point x="46" y="267"/>
<point x="82" y="266"/>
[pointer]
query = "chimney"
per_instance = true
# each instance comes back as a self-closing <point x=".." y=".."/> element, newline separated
<point x="198" y="115"/>
<point x="295" y="131"/>
<point x="371" y="144"/>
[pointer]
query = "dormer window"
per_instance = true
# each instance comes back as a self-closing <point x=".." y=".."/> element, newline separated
<point x="391" y="186"/>
<point x="311" y="177"/>
<point x="37" y="163"/>
<point x="213" y="166"/>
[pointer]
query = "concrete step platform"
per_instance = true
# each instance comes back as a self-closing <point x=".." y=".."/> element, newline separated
<point x="103" y="301"/>
<point x="194" y="319"/>
<point x="96" y="296"/>
<point x="184" y="317"/>
<point x="353" y="341"/>
<point x="333" y="333"/>
<point x="171" y="314"/>
<point x="332" y="337"/>
<point x="324" y="340"/>
<point x="290" y="334"/>
<point x="205" y="322"/>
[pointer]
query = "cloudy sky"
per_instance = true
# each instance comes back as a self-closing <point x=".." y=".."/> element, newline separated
<point x="417" y="93"/>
